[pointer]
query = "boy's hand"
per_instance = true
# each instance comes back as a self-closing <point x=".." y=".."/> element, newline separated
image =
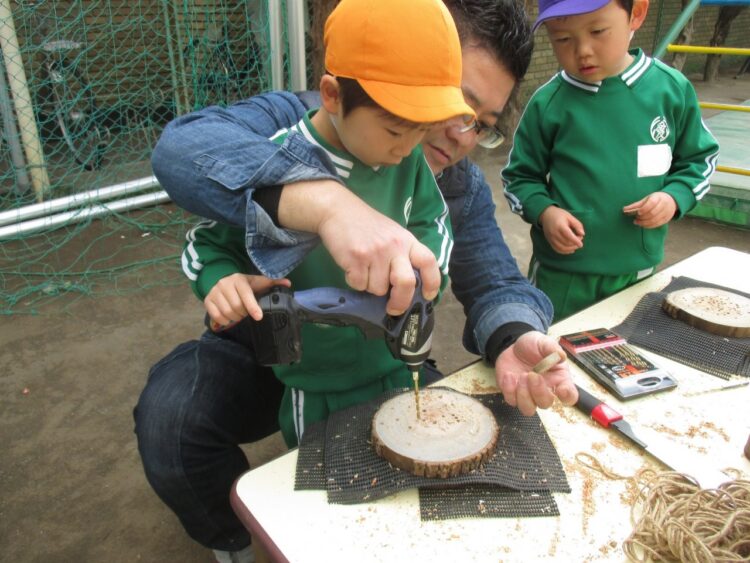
<point x="525" y="389"/>
<point x="562" y="230"/>
<point x="652" y="211"/>
<point x="233" y="298"/>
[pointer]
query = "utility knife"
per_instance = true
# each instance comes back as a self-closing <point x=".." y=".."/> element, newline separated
<point x="606" y="416"/>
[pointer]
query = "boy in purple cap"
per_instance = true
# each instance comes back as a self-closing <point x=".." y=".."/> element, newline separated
<point x="607" y="152"/>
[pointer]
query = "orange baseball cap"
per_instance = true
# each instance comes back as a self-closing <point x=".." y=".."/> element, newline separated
<point x="404" y="53"/>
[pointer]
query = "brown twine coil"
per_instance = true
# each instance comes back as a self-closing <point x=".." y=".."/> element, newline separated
<point x="675" y="520"/>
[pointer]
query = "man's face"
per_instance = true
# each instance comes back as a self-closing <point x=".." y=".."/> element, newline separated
<point x="486" y="85"/>
<point x="592" y="46"/>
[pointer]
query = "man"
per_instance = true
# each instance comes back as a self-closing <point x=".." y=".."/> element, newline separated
<point x="305" y="204"/>
<point x="210" y="162"/>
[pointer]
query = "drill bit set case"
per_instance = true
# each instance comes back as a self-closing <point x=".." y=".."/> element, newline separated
<point x="609" y="359"/>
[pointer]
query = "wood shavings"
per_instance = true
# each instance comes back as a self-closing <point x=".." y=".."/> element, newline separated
<point x="478" y="389"/>
<point x="554" y="542"/>
<point x="700" y="430"/>
<point x="587" y="493"/>
<point x="563" y="411"/>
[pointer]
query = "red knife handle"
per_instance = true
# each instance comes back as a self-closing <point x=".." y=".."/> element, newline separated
<point x="596" y="409"/>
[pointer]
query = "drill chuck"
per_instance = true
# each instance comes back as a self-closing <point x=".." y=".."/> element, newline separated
<point x="415" y="341"/>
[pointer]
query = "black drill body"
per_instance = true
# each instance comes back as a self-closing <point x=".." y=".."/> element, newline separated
<point x="278" y="336"/>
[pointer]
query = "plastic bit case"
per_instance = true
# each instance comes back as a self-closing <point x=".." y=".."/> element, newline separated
<point x="608" y="358"/>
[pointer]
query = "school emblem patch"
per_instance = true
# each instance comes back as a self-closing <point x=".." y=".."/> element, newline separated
<point x="659" y="129"/>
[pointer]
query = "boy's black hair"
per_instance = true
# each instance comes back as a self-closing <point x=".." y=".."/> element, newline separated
<point x="353" y="96"/>
<point x="500" y="26"/>
<point x="626" y="5"/>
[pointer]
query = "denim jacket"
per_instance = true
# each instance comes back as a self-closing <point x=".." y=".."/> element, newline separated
<point x="216" y="180"/>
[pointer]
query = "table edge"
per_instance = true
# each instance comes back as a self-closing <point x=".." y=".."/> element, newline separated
<point x="254" y="527"/>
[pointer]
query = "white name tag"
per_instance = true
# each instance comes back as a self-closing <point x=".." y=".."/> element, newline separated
<point x="654" y="160"/>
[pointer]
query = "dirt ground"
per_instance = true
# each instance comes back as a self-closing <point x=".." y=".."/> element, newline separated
<point x="71" y="483"/>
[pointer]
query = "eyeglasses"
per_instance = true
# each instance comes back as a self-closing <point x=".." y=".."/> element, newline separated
<point x="489" y="137"/>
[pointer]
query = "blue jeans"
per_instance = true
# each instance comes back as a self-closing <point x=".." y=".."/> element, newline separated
<point x="200" y="402"/>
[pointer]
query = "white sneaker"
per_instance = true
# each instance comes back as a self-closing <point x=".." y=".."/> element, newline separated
<point x="246" y="555"/>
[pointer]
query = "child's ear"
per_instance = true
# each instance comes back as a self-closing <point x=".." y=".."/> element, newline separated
<point x="638" y="14"/>
<point x="330" y="94"/>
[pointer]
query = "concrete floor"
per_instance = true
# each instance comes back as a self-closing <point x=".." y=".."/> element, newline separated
<point x="71" y="484"/>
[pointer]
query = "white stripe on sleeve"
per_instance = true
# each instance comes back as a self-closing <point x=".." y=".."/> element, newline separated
<point x="191" y="263"/>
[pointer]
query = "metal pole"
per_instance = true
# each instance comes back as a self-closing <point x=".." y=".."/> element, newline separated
<point x="676" y="28"/>
<point x="708" y="50"/>
<point x="181" y="55"/>
<point x="19" y="88"/>
<point x="54" y="221"/>
<point x="728" y="107"/>
<point x="277" y="51"/>
<point x="297" y="55"/>
<point x="171" y="57"/>
<point x="733" y="170"/>
<point x="77" y="200"/>
<point x="11" y="135"/>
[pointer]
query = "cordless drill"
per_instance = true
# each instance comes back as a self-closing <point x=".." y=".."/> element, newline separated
<point x="277" y="338"/>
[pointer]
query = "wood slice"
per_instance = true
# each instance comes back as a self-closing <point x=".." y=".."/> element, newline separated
<point x="454" y="434"/>
<point x="713" y="310"/>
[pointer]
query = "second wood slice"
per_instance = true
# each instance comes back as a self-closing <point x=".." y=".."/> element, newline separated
<point x="713" y="310"/>
<point x="454" y="434"/>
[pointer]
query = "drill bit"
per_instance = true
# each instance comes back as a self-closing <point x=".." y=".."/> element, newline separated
<point x="715" y="389"/>
<point x="415" y="378"/>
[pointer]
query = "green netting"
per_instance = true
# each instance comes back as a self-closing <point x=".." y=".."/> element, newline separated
<point x="87" y="87"/>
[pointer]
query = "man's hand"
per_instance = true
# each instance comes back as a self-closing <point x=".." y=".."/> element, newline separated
<point x="375" y="252"/>
<point x="378" y="254"/>
<point x="233" y="298"/>
<point x="525" y="389"/>
<point x="562" y="230"/>
<point x="652" y="211"/>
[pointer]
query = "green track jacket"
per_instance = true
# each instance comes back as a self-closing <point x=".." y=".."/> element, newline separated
<point x="593" y="148"/>
<point x="335" y="358"/>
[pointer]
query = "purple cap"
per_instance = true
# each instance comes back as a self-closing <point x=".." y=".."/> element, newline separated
<point x="560" y="8"/>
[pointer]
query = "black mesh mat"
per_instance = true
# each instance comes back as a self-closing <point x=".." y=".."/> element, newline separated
<point x="480" y="501"/>
<point x="310" y="473"/>
<point x="337" y="456"/>
<point x="650" y="327"/>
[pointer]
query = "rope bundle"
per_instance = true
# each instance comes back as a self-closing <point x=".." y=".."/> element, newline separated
<point x="676" y="520"/>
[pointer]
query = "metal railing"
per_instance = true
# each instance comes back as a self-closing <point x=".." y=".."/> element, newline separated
<point x="666" y="46"/>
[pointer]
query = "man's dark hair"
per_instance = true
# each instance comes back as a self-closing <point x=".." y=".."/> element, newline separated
<point x="500" y="26"/>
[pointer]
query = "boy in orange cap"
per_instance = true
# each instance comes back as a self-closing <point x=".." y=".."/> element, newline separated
<point x="381" y="91"/>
